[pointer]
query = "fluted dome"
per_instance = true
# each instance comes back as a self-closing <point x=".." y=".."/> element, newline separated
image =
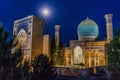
<point x="87" y="30"/>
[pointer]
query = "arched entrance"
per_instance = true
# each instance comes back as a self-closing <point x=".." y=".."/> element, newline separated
<point x="22" y="40"/>
<point x="77" y="55"/>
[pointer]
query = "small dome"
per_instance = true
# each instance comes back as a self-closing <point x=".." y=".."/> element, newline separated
<point x="87" y="30"/>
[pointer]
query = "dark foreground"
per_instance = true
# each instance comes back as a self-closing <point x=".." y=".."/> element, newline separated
<point x="82" y="74"/>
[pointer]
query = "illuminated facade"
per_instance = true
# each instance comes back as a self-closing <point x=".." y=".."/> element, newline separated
<point x="87" y="50"/>
<point x="90" y="54"/>
<point x="29" y="33"/>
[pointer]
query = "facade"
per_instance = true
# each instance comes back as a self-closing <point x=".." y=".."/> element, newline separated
<point x="46" y="45"/>
<point x="87" y="51"/>
<point x="91" y="54"/>
<point x="29" y="32"/>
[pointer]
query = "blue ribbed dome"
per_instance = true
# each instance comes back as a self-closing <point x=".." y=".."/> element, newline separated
<point x="87" y="30"/>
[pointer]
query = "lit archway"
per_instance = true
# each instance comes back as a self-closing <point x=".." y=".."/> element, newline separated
<point x="102" y="59"/>
<point x="22" y="39"/>
<point x="22" y="36"/>
<point x="77" y="55"/>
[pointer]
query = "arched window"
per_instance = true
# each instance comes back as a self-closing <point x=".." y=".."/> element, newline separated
<point x="77" y="55"/>
<point x="22" y="36"/>
<point x="22" y="40"/>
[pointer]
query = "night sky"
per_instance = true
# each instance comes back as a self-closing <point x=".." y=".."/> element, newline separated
<point x="67" y="13"/>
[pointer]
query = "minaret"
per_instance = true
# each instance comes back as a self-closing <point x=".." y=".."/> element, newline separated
<point x="57" y="27"/>
<point x="109" y="28"/>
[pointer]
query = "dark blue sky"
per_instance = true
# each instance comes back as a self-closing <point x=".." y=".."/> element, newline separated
<point x="67" y="13"/>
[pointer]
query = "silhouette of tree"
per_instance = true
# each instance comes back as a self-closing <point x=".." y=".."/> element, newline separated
<point x="4" y="55"/>
<point x="43" y="68"/>
<point x="16" y="65"/>
<point x="113" y="51"/>
<point x="26" y="71"/>
<point x="11" y="66"/>
<point x="57" y="53"/>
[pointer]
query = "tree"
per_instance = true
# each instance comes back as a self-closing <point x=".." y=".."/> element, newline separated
<point x="113" y="51"/>
<point x="57" y="53"/>
<point x="20" y="68"/>
<point x="61" y="55"/>
<point x="16" y="65"/>
<point x="4" y="55"/>
<point x="11" y="66"/>
<point x="26" y="71"/>
<point x="43" y="68"/>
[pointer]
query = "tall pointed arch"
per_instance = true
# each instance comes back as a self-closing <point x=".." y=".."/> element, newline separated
<point x="22" y="36"/>
<point x="22" y="40"/>
<point x="77" y="55"/>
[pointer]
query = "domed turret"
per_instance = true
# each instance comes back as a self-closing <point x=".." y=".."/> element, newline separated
<point x="87" y="30"/>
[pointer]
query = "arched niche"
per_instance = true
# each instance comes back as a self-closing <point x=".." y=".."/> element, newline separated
<point x="102" y="59"/>
<point x="77" y="55"/>
<point x="22" y="36"/>
<point x="22" y="40"/>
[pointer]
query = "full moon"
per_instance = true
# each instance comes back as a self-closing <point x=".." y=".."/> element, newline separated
<point x="45" y="11"/>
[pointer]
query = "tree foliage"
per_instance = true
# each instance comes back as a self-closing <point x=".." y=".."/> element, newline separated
<point x="4" y="55"/>
<point x="113" y="51"/>
<point x="57" y="53"/>
<point x="17" y="67"/>
<point x="11" y="67"/>
<point x="43" y="68"/>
